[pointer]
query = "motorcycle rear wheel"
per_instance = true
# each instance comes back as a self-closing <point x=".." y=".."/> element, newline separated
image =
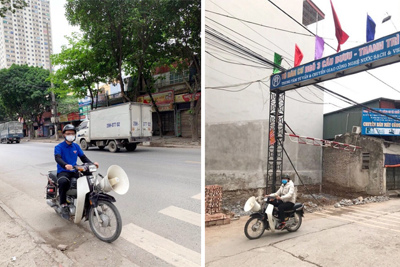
<point x="110" y="229"/>
<point x="293" y="226"/>
<point x="254" y="228"/>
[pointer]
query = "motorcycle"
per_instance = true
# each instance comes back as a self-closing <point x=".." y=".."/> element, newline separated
<point x="265" y="217"/>
<point x="87" y="199"/>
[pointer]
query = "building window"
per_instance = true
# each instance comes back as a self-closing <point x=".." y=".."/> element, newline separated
<point x="175" y="77"/>
<point x="365" y="161"/>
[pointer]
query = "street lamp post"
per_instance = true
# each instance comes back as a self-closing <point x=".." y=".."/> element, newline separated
<point x="53" y="97"/>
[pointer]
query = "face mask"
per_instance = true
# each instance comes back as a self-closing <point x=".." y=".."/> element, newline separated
<point x="284" y="182"/>
<point x="70" y="138"/>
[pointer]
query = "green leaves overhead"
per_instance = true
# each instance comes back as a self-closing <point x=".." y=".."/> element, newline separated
<point x="79" y="68"/>
<point x="24" y="91"/>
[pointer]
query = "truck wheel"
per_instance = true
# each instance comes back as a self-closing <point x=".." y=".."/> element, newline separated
<point x="84" y="145"/>
<point x="112" y="146"/>
<point x="131" y="147"/>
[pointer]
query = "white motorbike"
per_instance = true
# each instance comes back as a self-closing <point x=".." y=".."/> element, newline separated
<point x="265" y="217"/>
<point x="87" y="199"/>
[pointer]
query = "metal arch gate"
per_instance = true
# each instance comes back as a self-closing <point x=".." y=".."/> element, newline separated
<point x="374" y="54"/>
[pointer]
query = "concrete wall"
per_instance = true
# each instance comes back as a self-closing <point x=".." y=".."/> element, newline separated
<point x="236" y="156"/>
<point x="344" y="169"/>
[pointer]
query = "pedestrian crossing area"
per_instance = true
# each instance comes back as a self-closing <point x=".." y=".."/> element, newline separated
<point x="170" y="252"/>
<point x="364" y="215"/>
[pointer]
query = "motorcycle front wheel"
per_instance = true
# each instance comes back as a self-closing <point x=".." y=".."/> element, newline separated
<point x="109" y="227"/>
<point x="294" y="223"/>
<point x="254" y="228"/>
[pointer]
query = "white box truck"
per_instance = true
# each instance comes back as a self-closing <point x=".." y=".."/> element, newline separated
<point x="123" y="125"/>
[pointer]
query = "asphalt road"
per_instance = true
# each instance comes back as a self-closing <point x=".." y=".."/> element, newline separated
<point x="362" y="235"/>
<point x="160" y="212"/>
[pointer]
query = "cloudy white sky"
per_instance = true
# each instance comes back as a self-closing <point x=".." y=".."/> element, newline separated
<point x="59" y="24"/>
<point x="352" y="15"/>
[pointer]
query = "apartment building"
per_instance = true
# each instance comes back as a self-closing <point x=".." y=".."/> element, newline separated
<point x="25" y="36"/>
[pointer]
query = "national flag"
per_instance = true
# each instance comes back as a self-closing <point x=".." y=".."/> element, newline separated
<point x="298" y="55"/>
<point x="277" y="62"/>
<point x="341" y="36"/>
<point x="370" y="29"/>
<point x="319" y="47"/>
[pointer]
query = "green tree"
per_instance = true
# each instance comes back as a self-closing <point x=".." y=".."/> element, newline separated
<point x="166" y="32"/>
<point x="106" y="25"/>
<point x="185" y="32"/>
<point x="79" y="69"/>
<point x="11" y="5"/>
<point x="67" y="104"/>
<point x="24" y="92"/>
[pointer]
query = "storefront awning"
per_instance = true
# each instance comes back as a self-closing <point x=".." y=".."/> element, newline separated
<point x="392" y="160"/>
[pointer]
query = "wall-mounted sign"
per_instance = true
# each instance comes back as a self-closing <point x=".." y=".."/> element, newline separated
<point x="370" y="55"/>
<point x="160" y="98"/>
<point x="186" y="97"/>
<point x="373" y="123"/>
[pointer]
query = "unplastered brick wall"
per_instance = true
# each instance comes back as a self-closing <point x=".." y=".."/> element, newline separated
<point x="213" y="199"/>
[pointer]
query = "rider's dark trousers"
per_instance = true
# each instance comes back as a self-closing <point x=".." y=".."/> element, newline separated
<point x="64" y="181"/>
<point x="282" y="206"/>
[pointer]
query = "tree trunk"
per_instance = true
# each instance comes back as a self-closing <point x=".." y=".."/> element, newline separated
<point x="155" y="106"/>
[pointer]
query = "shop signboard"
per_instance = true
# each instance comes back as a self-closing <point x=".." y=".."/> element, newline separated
<point x="164" y="100"/>
<point x="373" y="123"/>
<point x="186" y="97"/>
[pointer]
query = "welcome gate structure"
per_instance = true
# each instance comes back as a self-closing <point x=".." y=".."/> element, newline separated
<point x="374" y="54"/>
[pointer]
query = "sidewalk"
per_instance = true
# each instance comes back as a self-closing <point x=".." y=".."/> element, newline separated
<point x="21" y="246"/>
<point x="166" y="141"/>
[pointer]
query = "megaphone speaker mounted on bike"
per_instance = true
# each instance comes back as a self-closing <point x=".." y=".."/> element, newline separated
<point x="252" y="205"/>
<point x="116" y="180"/>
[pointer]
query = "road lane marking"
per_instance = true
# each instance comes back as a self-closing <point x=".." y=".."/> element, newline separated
<point x="183" y="215"/>
<point x="381" y="216"/>
<point x="195" y="162"/>
<point x="161" y="247"/>
<point x="198" y="196"/>
<point x="389" y="213"/>
<point x="376" y="220"/>
<point x="358" y="222"/>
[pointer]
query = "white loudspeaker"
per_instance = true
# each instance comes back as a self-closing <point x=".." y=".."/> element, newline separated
<point x="116" y="180"/>
<point x="252" y="205"/>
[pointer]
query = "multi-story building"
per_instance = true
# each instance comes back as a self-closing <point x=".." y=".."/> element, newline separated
<point x="25" y="36"/>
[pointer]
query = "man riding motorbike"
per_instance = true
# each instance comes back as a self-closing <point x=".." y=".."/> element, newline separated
<point x="285" y="198"/>
<point x="66" y="155"/>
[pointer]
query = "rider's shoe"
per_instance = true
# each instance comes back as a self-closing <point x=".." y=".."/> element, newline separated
<point x="282" y="226"/>
<point x="65" y="212"/>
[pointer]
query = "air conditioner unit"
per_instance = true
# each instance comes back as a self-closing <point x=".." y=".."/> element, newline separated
<point x="356" y="129"/>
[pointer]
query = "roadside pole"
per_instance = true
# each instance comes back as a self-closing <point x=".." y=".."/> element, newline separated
<point x="54" y="113"/>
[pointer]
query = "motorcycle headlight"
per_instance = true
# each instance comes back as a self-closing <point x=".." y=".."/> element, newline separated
<point x="92" y="168"/>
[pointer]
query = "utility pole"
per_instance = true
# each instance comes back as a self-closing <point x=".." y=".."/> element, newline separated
<point x="54" y="112"/>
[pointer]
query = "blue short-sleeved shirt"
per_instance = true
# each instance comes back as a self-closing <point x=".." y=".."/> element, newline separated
<point x="69" y="154"/>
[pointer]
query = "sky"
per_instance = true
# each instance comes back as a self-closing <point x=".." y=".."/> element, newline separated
<point x="59" y="24"/>
<point x="352" y="16"/>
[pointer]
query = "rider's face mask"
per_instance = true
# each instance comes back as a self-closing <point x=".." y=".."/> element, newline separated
<point x="70" y="138"/>
<point x="284" y="181"/>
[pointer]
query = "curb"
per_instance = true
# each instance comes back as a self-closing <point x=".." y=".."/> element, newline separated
<point x="152" y="144"/>
<point x="53" y="253"/>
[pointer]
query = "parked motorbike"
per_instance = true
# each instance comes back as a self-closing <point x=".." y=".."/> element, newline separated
<point x="265" y="217"/>
<point x="87" y="199"/>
